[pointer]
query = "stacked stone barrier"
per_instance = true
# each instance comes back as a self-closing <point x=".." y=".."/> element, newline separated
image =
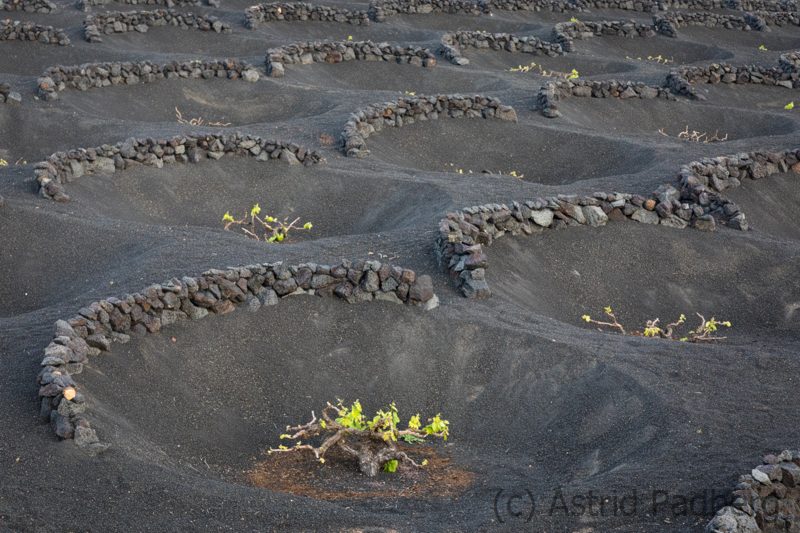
<point x="302" y="11"/>
<point x="767" y="500"/>
<point x="7" y="96"/>
<point x="763" y="5"/>
<point x="380" y="10"/>
<point x="86" y="5"/>
<point x="453" y="42"/>
<point x="680" y="82"/>
<point x="95" y="26"/>
<point x="668" y="23"/>
<point x="95" y="75"/>
<point x="695" y="200"/>
<point x="29" y="6"/>
<point x="786" y="74"/>
<point x="306" y="53"/>
<point x="790" y="63"/>
<point x="17" y="30"/>
<point x="779" y="18"/>
<point x="565" y="33"/>
<point x="410" y="109"/>
<point x="63" y="167"/>
<point x="551" y="93"/>
<point x="96" y="327"/>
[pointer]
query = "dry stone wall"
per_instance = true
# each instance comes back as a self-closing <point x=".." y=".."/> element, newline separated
<point x="786" y="74"/>
<point x="29" y="6"/>
<point x="95" y="75"/>
<point x="668" y="23"/>
<point x="454" y="42"/>
<point x="63" y="167"/>
<point x="679" y="81"/>
<point x="767" y="500"/>
<point x="16" y="30"/>
<point x="108" y="23"/>
<point x="763" y="5"/>
<point x="7" y="96"/>
<point x="86" y="5"/>
<point x="306" y="53"/>
<point x="410" y="109"/>
<point x="694" y="200"/>
<point x="565" y="33"/>
<point x="302" y="11"/>
<point x="96" y="327"/>
<point x="380" y="10"/>
<point x="549" y="95"/>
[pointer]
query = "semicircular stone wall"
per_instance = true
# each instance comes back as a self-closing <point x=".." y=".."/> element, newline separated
<point x="308" y="52"/>
<point x="96" y="75"/>
<point x="766" y="500"/>
<point x="410" y="109"/>
<point x="696" y="200"/>
<point x="63" y="167"/>
<point x="95" y="328"/>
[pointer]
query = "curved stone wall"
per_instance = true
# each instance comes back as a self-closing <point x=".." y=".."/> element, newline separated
<point x="86" y="5"/>
<point x="110" y="22"/>
<point x="564" y="33"/>
<point x="763" y="5"/>
<point x="549" y="95"/>
<point x="29" y="6"/>
<point x="765" y="500"/>
<point x="454" y="42"/>
<point x="668" y="23"/>
<point x="410" y="109"/>
<point x="95" y="75"/>
<point x="695" y="200"/>
<point x="678" y="82"/>
<point x="216" y="292"/>
<point x="17" y="30"/>
<point x="7" y="96"/>
<point x="786" y="74"/>
<point x="306" y="53"/>
<point x="63" y="167"/>
<point x="302" y="11"/>
<point x="380" y="10"/>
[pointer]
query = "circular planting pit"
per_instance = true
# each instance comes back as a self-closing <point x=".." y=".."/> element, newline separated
<point x="216" y="393"/>
<point x="677" y="50"/>
<point x="199" y="194"/>
<point x="771" y="205"/>
<point x="559" y="65"/>
<point x="637" y="117"/>
<point x="390" y="76"/>
<point x="541" y="155"/>
<point x="218" y="102"/>
<point x="339" y="478"/>
<point x="645" y="272"/>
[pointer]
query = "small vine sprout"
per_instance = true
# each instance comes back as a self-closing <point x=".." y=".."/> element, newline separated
<point x="706" y="331"/>
<point x="267" y="228"/>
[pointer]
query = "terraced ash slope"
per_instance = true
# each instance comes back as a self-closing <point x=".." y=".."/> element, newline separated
<point x="128" y="136"/>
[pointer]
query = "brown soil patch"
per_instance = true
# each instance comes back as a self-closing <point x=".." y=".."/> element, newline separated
<point x="340" y="479"/>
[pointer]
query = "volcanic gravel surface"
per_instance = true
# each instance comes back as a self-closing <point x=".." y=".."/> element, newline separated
<point x="541" y="404"/>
